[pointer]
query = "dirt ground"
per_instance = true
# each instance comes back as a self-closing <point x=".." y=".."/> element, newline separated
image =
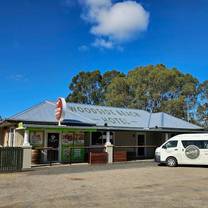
<point x="135" y="184"/>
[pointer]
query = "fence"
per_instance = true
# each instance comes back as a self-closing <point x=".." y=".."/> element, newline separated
<point x="126" y="153"/>
<point x="120" y="153"/>
<point x="96" y="154"/>
<point x="11" y="159"/>
<point x="68" y="154"/>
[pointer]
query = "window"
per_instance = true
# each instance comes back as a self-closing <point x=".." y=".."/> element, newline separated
<point x="201" y="144"/>
<point x="206" y="144"/>
<point x="170" y="144"/>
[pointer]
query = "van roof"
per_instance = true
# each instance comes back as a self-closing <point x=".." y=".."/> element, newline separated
<point x="190" y="136"/>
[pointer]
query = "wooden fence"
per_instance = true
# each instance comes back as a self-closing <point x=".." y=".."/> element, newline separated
<point x="11" y="159"/>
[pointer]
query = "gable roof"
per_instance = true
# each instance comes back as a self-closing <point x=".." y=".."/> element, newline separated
<point x="102" y="116"/>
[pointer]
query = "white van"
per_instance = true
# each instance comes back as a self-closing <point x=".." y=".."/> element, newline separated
<point x="191" y="149"/>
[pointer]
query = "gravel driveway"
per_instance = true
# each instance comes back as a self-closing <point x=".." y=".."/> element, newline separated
<point x="134" y="184"/>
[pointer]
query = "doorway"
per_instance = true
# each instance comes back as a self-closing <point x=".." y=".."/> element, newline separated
<point x="141" y="142"/>
<point x="53" y="142"/>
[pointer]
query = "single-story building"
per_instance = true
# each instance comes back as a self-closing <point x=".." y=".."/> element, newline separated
<point x="88" y="127"/>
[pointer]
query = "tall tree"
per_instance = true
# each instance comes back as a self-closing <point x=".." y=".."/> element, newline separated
<point x="117" y="93"/>
<point x="155" y="88"/>
<point x="107" y="78"/>
<point x="202" y="108"/>
<point x="86" y="88"/>
<point x="152" y="88"/>
<point x="90" y="87"/>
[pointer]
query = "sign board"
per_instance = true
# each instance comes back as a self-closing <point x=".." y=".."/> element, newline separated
<point x="108" y="116"/>
<point x="36" y="138"/>
<point x="60" y="109"/>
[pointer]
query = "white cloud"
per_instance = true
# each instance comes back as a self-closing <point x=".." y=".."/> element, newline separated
<point x="98" y="3"/>
<point x="113" y="24"/>
<point x="99" y="42"/>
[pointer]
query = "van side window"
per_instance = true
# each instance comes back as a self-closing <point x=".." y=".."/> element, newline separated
<point x="206" y="144"/>
<point x="171" y="144"/>
<point x="201" y="144"/>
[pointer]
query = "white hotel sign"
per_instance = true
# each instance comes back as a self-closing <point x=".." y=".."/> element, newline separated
<point x="111" y="116"/>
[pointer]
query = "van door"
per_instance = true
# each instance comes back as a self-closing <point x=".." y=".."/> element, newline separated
<point x="170" y="149"/>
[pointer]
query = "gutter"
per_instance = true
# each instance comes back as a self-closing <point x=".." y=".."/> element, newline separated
<point x="95" y="128"/>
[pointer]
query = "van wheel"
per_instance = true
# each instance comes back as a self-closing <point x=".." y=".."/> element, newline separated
<point x="171" y="162"/>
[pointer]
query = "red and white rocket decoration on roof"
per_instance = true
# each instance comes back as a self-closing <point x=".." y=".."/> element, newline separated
<point x="60" y="109"/>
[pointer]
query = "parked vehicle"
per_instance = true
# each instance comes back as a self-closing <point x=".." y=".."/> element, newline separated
<point x="184" y="149"/>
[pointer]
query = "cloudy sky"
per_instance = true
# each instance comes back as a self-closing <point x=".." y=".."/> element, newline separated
<point x="43" y="43"/>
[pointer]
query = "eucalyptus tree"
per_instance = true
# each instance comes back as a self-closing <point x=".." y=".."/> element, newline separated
<point x="202" y="109"/>
<point x="90" y="87"/>
<point x="155" y="88"/>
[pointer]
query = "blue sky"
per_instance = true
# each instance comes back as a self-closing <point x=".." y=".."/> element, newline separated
<point x="44" y="43"/>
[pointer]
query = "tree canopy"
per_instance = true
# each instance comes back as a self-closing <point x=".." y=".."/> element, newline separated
<point x="202" y="107"/>
<point x="90" y="87"/>
<point x="152" y="88"/>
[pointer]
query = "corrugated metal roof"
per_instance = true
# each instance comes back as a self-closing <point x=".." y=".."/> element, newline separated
<point x="102" y="115"/>
<point x="45" y="112"/>
<point x="164" y="120"/>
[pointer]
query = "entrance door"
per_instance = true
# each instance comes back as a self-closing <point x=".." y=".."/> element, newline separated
<point x="140" y="142"/>
<point x="53" y="142"/>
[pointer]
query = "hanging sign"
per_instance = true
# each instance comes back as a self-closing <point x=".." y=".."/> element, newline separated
<point x="60" y="109"/>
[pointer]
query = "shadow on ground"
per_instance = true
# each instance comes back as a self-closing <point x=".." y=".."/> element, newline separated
<point x="79" y="168"/>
